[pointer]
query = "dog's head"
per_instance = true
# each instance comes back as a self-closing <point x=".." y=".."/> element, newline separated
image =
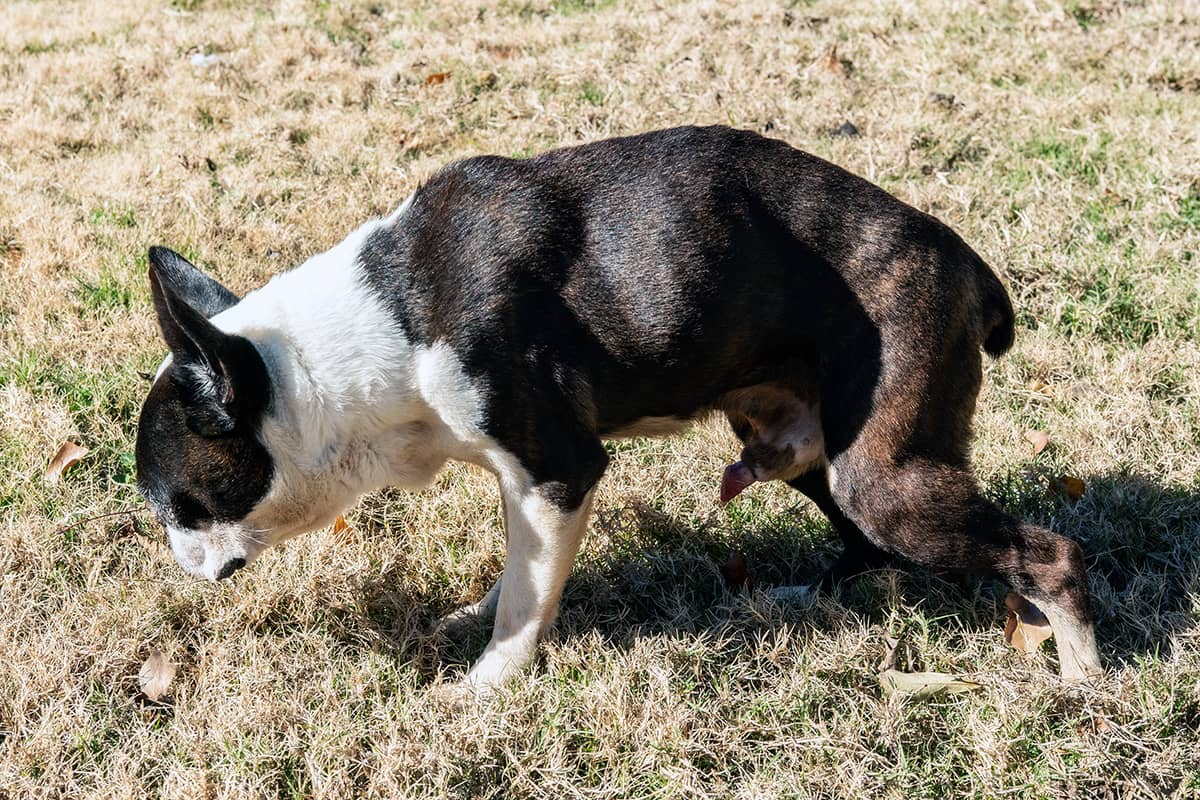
<point x="203" y="463"/>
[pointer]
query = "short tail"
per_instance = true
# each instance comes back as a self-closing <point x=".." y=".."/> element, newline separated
<point x="997" y="313"/>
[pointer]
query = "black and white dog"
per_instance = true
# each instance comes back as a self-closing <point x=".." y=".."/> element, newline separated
<point x="514" y="313"/>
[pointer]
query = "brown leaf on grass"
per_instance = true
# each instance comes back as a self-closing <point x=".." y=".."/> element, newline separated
<point x="832" y="63"/>
<point x="1096" y="726"/>
<point x="1039" y="440"/>
<point x="342" y="532"/>
<point x="435" y="78"/>
<point x="1026" y="627"/>
<point x="1068" y="487"/>
<point x="155" y="676"/>
<point x="1041" y="387"/>
<point x="736" y="573"/>
<point x="923" y="684"/>
<point x="67" y="455"/>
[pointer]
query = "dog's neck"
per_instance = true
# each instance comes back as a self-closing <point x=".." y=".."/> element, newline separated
<point x="348" y="404"/>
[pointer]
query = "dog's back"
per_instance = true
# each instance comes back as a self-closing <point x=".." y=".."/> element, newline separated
<point x="662" y="270"/>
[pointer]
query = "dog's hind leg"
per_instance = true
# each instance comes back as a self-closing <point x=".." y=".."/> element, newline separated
<point x="859" y="554"/>
<point x="932" y="513"/>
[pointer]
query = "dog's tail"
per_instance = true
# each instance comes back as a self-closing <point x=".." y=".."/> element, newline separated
<point x="997" y="313"/>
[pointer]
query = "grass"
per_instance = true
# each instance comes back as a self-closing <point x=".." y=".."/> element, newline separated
<point x="1066" y="157"/>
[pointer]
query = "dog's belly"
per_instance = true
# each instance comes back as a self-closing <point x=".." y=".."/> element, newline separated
<point x="649" y="426"/>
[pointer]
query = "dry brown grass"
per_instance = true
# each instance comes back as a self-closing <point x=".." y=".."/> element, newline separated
<point x="1067" y="157"/>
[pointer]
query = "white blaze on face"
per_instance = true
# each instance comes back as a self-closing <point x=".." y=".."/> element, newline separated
<point x="204" y="552"/>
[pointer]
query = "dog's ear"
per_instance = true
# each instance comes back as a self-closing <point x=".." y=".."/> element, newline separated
<point x="221" y="377"/>
<point x="186" y="281"/>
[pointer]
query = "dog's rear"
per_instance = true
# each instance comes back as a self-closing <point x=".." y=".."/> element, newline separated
<point x="997" y="312"/>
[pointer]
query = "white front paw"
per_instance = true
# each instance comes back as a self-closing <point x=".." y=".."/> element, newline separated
<point x="496" y="666"/>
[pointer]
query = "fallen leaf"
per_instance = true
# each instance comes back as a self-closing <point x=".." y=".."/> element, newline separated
<point x="832" y="63"/>
<point x="1039" y="440"/>
<point x="736" y="573"/>
<point x="1026" y="627"/>
<point x="436" y="78"/>
<point x="155" y="676"/>
<point x="342" y="531"/>
<point x="923" y="684"/>
<point x="1071" y="488"/>
<point x="67" y="455"/>
<point x="1041" y="387"/>
<point x="1096" y="726"/>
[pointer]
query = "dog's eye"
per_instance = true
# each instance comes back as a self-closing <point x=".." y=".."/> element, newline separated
<point x="188" y="511"/>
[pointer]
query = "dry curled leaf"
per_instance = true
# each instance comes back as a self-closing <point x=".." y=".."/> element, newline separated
<point x="923" y="684"/>
<point x="1095" y="726"/>
<point x="155" y="676"/>
<point x="1026" y="627"/>
<point x="1039" y="440"/>
<point x="1041" y="387"/>
<point x="1069" y="487"/>
<point x="435" y="78"/>
<point x="832" y="63"/>
<point x="342" y="531"/>
<point x="67" y="455"/>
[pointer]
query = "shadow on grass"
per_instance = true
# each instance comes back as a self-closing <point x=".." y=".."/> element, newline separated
<point x="653" y="574"/>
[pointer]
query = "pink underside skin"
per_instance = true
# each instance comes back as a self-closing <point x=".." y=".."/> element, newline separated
<point x="736" y="478"/>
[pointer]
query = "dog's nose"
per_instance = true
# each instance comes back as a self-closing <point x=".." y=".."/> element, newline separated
<point x="231" y="566"/>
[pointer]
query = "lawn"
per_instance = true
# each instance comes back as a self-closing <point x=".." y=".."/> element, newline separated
<point x="1061" y="140"/>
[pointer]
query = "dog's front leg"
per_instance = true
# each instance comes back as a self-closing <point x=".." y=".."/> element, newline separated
<point x="543" y="539"/>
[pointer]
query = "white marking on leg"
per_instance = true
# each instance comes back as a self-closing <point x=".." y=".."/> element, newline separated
<point x="542" y="543"/>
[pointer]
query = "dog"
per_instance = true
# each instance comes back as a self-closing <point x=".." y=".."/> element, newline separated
<point x="515" y="313"/>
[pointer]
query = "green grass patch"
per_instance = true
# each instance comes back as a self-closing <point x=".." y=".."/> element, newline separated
<point x="121" y="218"/>
<point x="1083" y="158"/>
<point x="105" y="294"/>
<point x="592" y="94"/>
<point x="569" y="7"/>
<point x="1116" y="306"/>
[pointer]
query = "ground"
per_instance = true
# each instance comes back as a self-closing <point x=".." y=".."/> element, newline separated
<point x="1060" y="140"/>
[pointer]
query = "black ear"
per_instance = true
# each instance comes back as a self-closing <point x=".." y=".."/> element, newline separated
<point x="222" y="379"/>
<point x="186" y="281"/>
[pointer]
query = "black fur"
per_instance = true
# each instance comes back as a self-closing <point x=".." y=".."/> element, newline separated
<point x="651" y="275"/>
<point x="647" y="276"/>
<point x="198" y="451"/>
<point x="203" y="293"/>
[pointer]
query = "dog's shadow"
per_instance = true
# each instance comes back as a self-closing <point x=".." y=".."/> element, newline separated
<point x="655" y="575"/>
